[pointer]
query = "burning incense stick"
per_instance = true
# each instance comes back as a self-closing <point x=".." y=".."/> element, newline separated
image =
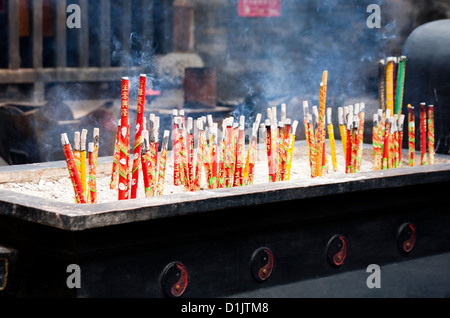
<point x="342" y="129"/>
<point x="73" y="172"/>
<point x="176" y="165"/>
<point x="312" y="145"/>
<point x="321" y="126"/>
<point x="269" y="150"/>
<point x="376" y="144"/>
<point x="386" y="145"/>
<point x="331" y="138"/>
<point x="355" y="143"/>
<point x="93" y="168"/>
<point x="83" y="158"/>
<point x="423" y="134"/>
<point x="206" y="158"/>
<point x="162" y="163"/>
<point x="291" y="148"/>
<point x="124" y="142"/>
<point x="92" y="182"/>
<point x="238" y="180"/>
<point x="390" y="84"/>
<point x="214" y="158"/>
<point x="116" y="158"/>
<point x="286" y="145"/>
<point x="431" y="135"/>
<point x="411" y="136"/>
<point x="77" y="150"/>
<point x="251" y="155"/>
<point x="361" y="115"/>
<point x="153" y="153"/>
<point x="199" y="160"/>
<point x="190" y="151"/>
<point x="145" y="161"/>
<point x="400" y="84"/>
<point x="382" y="84"/>
<point x="138" y="136"/>
<point x="401" y="121"/>
<point x="348" y="156"/>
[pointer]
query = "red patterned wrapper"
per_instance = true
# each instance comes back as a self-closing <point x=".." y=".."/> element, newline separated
<point x="205" y="157"/>
<point x="176" y="150"/>
<point x="269" y="153"/>
<point x="73" y="172"/>
<point x="239" y="167"/>
<point x="138" y="136"/>
<point x="115" y="163"/>
<point x="190" y="154"/>
<point x="162" y="164"/>
<point x="411" y="136"/>
<point x="214" y="166"/>
<point x="124" y="142"/>
<point x="386" y="145"/>
<point x="92" y="182"/>
<point x="431" y="135"/>
<point x="221" y="169"/>
<point x="423" y="134"/>
<point x="285" y="150"/>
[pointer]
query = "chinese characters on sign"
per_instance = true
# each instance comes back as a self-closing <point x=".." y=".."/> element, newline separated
<point x="259" y="8"/>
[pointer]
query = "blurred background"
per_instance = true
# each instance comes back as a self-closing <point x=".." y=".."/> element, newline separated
<point x="216" y="57"/>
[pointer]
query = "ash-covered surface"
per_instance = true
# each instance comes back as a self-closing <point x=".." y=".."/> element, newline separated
<point x="58" y="186"/>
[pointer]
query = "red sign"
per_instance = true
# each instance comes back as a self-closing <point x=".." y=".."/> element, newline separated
<point x="259" y="8"/>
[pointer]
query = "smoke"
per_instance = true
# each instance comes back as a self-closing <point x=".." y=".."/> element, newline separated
<point x="286" y="56"/>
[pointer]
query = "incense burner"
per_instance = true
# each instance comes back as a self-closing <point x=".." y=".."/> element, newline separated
<point x="284" y="239"/>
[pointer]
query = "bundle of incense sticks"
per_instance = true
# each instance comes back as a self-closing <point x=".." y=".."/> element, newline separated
<point x="280" y="137"/>
<point x="73" y="171"/>
<point x="411" y="136"/>
<point x="426" y="133"/>
<point x="82" y="164"/>
<point x="387" y="139"/>
<point x="391" y="76"/>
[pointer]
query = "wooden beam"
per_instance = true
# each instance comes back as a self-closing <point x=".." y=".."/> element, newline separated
<point x="13" y="34"/>
<point x="84" y="34"/>
<point x="61" y="34"/>
<point x="105" y="33"/>
<point x="68" y="74"/>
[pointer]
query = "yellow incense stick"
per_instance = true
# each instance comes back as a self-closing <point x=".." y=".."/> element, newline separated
<point x="331" y="138"/>
<point x="390" y="84"/>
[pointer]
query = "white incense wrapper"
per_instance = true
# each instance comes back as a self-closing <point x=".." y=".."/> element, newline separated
<point x="274" y="114"/>
<point x="91" y="147"/>
<point x="329" y="112"/>
<point x="77" y="141"/>
<point x="64" y="139"/>
<point x="356" y="109"/>
<point x="375" y="120"/>
<point x="316" y="114"/>
<point x="269" y="115"/>
<point x="401" y="121"/>
<point x="96" y="136"/>
<point x="305" y="108"/>
<point x="345" y="115"/>
<point x="283" y="112"/>
<point x="242" y="122"/>
<point x="294" y="127"/>
<point x="83" y="140"/>
<point x="341" y="116"/>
